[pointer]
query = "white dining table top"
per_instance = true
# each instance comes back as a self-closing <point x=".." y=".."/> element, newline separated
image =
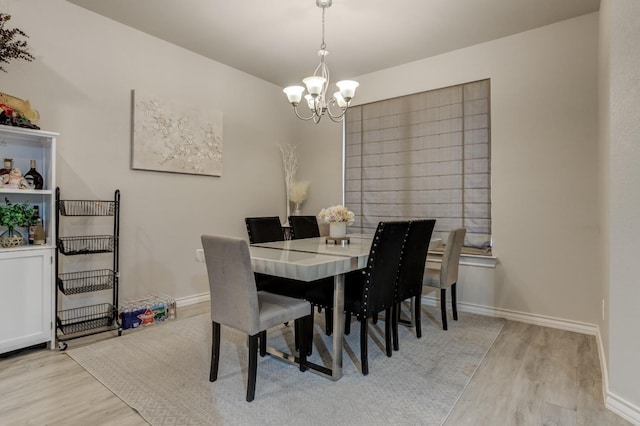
<point x="310" y="259"/>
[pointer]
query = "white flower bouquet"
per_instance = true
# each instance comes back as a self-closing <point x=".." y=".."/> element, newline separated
<point x="337" y="213"/>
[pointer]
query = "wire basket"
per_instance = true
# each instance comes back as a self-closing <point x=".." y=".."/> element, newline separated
<point x="86" y="318"/>
<point x="86" y="208"/>
<point x="86" y="281"/>
<point x="70" y="246"/>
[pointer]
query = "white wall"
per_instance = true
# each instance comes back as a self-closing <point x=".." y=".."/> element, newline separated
<point x="544" y="93"/>
<point x="81" y="81"/>
<point x="623" y="27"/>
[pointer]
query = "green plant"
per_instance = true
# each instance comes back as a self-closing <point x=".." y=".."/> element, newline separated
<point x="16" y="215"/>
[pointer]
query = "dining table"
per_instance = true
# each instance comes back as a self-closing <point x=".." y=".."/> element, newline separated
<point x="311" y="259"/>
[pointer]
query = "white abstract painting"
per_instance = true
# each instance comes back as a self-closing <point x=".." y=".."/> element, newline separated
<point x="173" y="136"/>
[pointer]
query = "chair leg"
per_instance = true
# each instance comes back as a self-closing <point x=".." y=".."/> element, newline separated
<point x="215" y="351"/>
<point x="328" y="319"/>
<point x="454" y="303"/>
<point x="301" y="336"/>
<point x="263" y="343"/>
<point x="443" y="307"/>
<point x="417" y="316"/>
<point x="364" y="353"/>
<point x="309" y="331"/>
<point x="347" y="323"/>
<point x="387" y="331"/>
<point x="395" y="316"/>
<point x="253" y="367"/>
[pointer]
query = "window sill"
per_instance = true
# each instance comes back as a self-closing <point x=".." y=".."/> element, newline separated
<point x="482" y="261"/>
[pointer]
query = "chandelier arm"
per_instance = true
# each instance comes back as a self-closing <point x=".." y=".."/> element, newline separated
<point x="338" y="116"/>
<point x="295" y="109"/>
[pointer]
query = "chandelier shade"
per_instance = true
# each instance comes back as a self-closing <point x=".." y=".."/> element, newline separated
<point x="316" y="87"/>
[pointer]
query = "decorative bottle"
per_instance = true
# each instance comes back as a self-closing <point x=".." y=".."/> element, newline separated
<point x="33" y="177"/>
<point x="33" y="223"/>
<point x="39" y="237"/>
<point x="8" y="165"/>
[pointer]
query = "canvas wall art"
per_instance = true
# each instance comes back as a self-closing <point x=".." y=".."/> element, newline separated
<point x="170" y="135"/>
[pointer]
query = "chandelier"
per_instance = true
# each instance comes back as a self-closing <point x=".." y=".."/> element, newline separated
<point x="317" y="85"/>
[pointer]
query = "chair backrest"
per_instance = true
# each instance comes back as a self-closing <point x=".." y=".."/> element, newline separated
<point x="264" y="229"/>
<point x="304" y="227"/>
<point x="451" y="257"/>
<point x="234" y="298"/>
<point x="382" y="267"/>
<point x="414" y="258"/>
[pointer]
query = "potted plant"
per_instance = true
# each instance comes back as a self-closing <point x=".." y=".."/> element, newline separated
<point x="14" y="216"/>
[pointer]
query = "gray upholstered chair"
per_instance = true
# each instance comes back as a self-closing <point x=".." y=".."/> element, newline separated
<point x="236" y="303"/>
<point x="447" y="274"/>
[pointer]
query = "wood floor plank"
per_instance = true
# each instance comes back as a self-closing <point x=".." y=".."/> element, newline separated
<point x="536" y="376"/>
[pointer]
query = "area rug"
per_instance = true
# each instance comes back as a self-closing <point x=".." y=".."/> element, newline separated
<point x="162" y="372"/>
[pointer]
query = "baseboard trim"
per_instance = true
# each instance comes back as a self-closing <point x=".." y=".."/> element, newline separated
<point x="613" y="402"/>
<point x="541" y="320"/>
<point x="623" y="408"/>
<point x="192" y="300"/>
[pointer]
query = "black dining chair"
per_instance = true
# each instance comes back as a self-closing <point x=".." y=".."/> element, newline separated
<point x="307" y="227"/>
<point x="371" y="290"/>
<point x="236" y="303"/>
<point x="411" y="273"/>
<point x="304" y="227"/>
<point x="264" y="229"/>
<point x="267" y="229"/>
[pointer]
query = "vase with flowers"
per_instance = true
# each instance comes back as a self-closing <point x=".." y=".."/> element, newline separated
<point x="338" y="217"/>
<point x="14" y="216"/>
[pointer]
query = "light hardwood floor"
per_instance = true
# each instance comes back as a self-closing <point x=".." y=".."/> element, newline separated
<point x="531" y="376"/>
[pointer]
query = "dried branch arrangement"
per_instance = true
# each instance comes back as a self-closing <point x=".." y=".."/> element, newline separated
<point x="11" y="46"/>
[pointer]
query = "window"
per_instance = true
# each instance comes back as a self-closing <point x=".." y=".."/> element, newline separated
<point x="424" y="155"/>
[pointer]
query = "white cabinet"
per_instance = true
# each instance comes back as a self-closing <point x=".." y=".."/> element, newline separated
<point x="26" y="317"/>
<point x="26" y="272"/>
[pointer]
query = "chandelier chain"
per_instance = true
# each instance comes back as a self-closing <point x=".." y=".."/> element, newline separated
<point x="323" y="46"/>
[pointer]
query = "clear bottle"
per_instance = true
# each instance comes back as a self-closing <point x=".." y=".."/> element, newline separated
<point x="172" y="308"/>
<point x="39" y="237"/>
<point x="34" y="179"/>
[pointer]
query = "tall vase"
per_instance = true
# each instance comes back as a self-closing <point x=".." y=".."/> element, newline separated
<point x="338" y="229"/>
<point x="297" y="211"/>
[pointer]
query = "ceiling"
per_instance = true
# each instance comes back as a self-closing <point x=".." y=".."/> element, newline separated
<point x="277" y="40"/>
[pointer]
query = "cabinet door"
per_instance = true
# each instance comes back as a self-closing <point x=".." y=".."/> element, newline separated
<point x="26" y="294"/>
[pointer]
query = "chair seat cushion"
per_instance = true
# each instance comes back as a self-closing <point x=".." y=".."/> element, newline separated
<point x="277" y="309"/>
